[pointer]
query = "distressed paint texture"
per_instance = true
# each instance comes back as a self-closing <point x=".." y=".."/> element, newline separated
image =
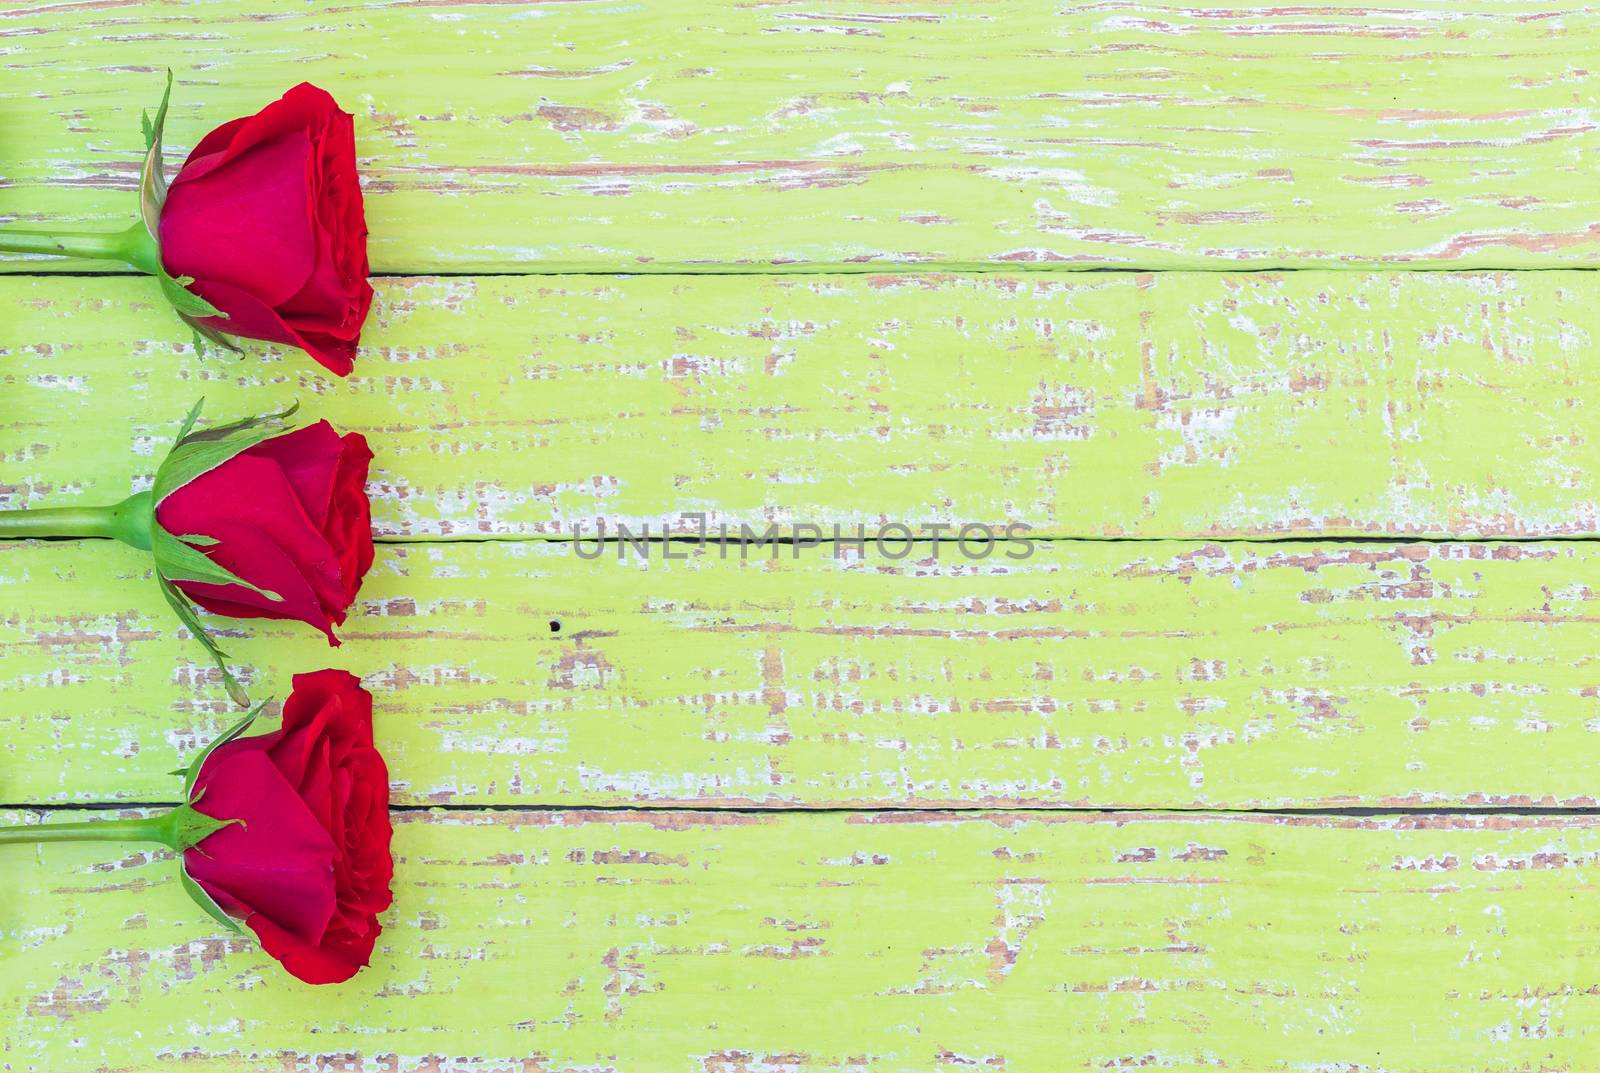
<point x="1103" y="674"/>
<point x="1169" y="404"/>
<point x="880" y="142"/>
<point x="706" y="134"/>
<point x="722" y="943"/>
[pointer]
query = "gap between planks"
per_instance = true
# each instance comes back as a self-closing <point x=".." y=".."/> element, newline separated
<point x="919" y="537"/>
<point x="900" y="268"/>
<point x="1355" y="812"/>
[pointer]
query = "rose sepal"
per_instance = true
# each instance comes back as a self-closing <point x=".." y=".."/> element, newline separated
<point x="152" y="196"/>
<point x="220" y="500"/>
<point x="192" y="773"/>
<point x="189" y="827"/>
<point x="198" y="895"/>
<point x="178" y="829"/>
<point x="139" y="245"/>
<point x="177" y="557"/>
<point x="152" y="178"/>
<point x="178" y="560"/>
<point x="194" y="453"/>
<point x="185" y="611"/>
<point x="311" y="804"/>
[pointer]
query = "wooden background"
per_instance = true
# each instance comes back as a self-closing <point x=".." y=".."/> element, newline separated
<point x="1276" y="327"/>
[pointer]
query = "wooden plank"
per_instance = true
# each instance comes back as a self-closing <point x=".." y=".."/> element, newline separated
<point x="1149" y="133"/>
<point x="1100" y="674"/>
<point x="565" y="942"/>
<point x="1194" y="404"/>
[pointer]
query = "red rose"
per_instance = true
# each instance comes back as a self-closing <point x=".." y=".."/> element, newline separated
<point x="266" y="216"/>
<point x="289" y="515"/>
<point x="308" y="869"/>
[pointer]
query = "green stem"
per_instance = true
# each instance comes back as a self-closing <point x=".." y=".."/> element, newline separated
<point x="128" y="521"/>
<point x="176" y="828"/>
<point x="157" y="828"/>
<point x="133" y="246"/>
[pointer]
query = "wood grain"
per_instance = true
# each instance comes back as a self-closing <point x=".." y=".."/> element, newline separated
<point x="717" y="942"/>
<point x="856" y="133"/>
<point x="899" y="174"/>
<point x="1172" y="404"/>
<point x="1099" y="674"/>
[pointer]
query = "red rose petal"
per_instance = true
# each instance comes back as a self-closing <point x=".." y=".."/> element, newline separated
<point x="338" y="956"/>
<point x="296" y="752"/>
<point x="313" y="868"/>
<point x="279" y="862"/>
<point x="246" y="225"/>
<point x="309" y="458"/>
<point x="264" y="536"/>
<point x="267" y="216"/>
<point x="250" y="318"/>
<point x="277" y="575"/>
<point x="213" y="144"/>
<point x="348" y="529"/>
<point x="304" y="108"/>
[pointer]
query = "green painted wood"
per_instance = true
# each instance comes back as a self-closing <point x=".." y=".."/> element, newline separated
<point x="1189" y="404"/>
<point x="1149" y="674"/>
<point x="702" y="134"/>
<point x="862" y="136"/>
<point x="720" y="943"/>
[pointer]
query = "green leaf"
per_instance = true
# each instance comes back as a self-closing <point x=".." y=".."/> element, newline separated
<point x="177" y="561"/>
<point x="206" y="902"/>
<point x="190" y="826"/>
<point x="152" y="180"/>
<point x="185" y="612"/>
<point x="203" y="451"/>
<point x="197" y="456"/>
<point x="197" y="540"/>
<point x="180" y="604"/>
<point x="217" y="432"/>
<point x="188" y="304"/>
<point x="205" y="333"/>
<point x="193" y="771"/>
<point x="188" y="421"/>
<point x="152" y="196"/>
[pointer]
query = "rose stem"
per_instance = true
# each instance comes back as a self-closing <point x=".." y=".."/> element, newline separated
<point x="177" y="828"/>
<point x="133" y="246"/>
<point x="156" y="828"/>
<point x="128" y="521"/>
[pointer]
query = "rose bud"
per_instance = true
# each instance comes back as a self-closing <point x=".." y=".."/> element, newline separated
<point x="304" y="857"/>
<point x="247" y="520"/>
<point x="266" y="217"/>
<point x="288" y="831"/>
<point x="289" y="516"/>
<point x="261" y="234"/>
